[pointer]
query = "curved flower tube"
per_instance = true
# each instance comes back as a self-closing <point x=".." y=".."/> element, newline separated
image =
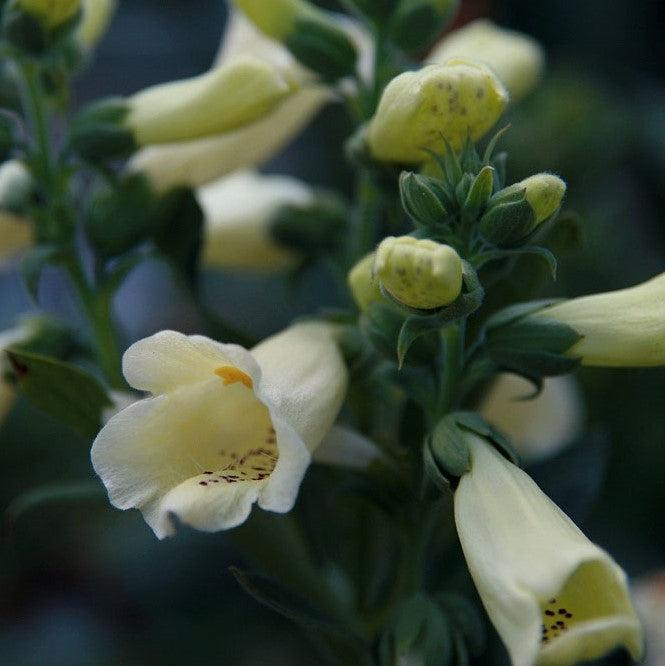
<point x="555" y="598"/>
<point x="224" y="428"/>
<point x="539" y="427"/>
<point x="238" y="210"/>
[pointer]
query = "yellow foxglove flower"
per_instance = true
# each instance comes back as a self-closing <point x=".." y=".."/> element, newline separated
<point x="544" y="192"/>
<point x="224" y="428"/>
<point x="223" y="99"/>
<point x="649" y="595"/>
<point x="555" y="598"/>
<point x="95" y="20"/>
<point x="52" y="13"/>
<point x="539" y="427"/>
<point x="16" y="235"/>
<point x="363" y="283"/>
<point x="422" y="274"/>
<point x="200" y="161"/>
<point x="517" y="59"/>
<point x="620" y="328"/>
<point x="238" y="211"/>
<point x="459" y="99"/>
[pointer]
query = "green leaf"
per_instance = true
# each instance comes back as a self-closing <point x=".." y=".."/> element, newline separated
<point x="60" y="389"/>
<point x="33" y="263"/>
<point x="497" y="255"/>
<point x="466" y="618"/>
<point x="480" y="192"/>
<point x="75" y="491"/>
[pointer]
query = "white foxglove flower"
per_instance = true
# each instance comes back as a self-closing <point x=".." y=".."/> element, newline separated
<point x="238" y="210"/>
<point x="96" y="15"/>
<point x="619" y="328"/>
<point x="224" y="428"/>
<point x="555" y="598"/>
<point x="200" y="161"/>
<point x="517" y="59"/>
<point x="649" y="595"/>
<point x="539" y="427"/>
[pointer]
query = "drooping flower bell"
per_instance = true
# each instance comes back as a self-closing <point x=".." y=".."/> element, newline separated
<point x="555" y="598"/>
<point x="224" y="428"/>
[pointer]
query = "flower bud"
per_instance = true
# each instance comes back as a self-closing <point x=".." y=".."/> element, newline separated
<point x="459" y="100"/>
<point x="517" y="59"/>
<point x="419" y="273"/>
<point x="16" y="186"/>
<point x="313" y="37"/>
<point x="363" y="284"/>
<point x="544" y="192"/>
<point x="51" y="13"/>
<point x="422" y="199"/>
<point x="416" y="23"/>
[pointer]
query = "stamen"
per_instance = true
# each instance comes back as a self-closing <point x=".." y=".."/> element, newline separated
<point x="232" y="375"/>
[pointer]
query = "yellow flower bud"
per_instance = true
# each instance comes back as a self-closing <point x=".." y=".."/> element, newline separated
<point x="363" y="284"/>
<point x="459" y="99"/>
<point x="52" y="13"/>
<point x="422" y="274"/>
<point x="544" y="192"/>
<point x="517" y="59"/>
<point x="220" y="100"/>
<point x="95" y="20"/>
<point x="277" y="18"/>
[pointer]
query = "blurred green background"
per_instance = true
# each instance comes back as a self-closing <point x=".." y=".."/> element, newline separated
<point x="83" y="584"/>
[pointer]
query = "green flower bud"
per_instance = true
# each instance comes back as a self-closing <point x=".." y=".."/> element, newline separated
<point x="363" y="285"/>
<point x="416" y="23"/>
<point x="422" y="198"/>
<point x="421" y="274"/>
<point x="517" y="210"/>
<point x="517" y="59"/>
<point x="313" y="37"/>
<point x="459" y="100"/>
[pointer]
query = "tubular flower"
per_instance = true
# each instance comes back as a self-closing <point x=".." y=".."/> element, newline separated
<point x="539" y="427"/>
<point x="224" y="428"/>
<point x="649" y="595"/>
<point x="363" y="284"/>
<point x="238" y="211"/>
<point x="457" y="100"/>
<point x="422" y="274"/>
<point x="554" y="597"/>
<point x="223" y="99"/>
<point x="200" y="161"/>
<point x="52" y="13"/>
<point x="517" y="59"/>
<point x="95" y="20"/>
<point x="620" y="328"/>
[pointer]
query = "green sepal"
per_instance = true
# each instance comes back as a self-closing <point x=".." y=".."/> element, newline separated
<point x="64" y="391"/>
<point x="500" y="164"/>
<point x="323" y="48"/>
<point x="33" y="263"/>
<point x="420" y="632"/>
<point x="463" y="188"/>
<point x="479" y="193"/>
<point x="422" y="198"/>
<point x="449" y="449"/>
<point x="507" y="222"/>
<point x="535" y="250"/>
<point x="475" y="423"/>
<point x="120" y="218"/>
<point x="382" y="325"/>
<point x="449" y="163"/>
<point x="98" y="133"/>
<point x="312" y="229"/>
<point x="422" y="322"/>
<point x="533" y="346"/>
<point x="417" y="23"/>
<point x="177" y="230"/>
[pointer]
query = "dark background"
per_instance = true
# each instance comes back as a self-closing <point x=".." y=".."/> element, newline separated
<point x="83" y="584"/>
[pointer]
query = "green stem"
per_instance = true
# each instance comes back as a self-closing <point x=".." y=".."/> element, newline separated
<point x="452" y="365"/>
<point x="369" y="213"/>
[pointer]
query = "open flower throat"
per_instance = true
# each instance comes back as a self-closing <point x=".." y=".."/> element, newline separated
<point x="239" y="459"/>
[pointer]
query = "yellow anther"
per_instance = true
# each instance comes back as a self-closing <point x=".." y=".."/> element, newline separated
<point x="231" y="375"/>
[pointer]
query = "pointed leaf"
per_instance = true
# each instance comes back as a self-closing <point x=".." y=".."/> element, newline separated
<point x="32" y="265"/>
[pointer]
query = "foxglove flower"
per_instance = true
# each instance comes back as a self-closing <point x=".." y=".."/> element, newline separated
<point x="555" y="598"/>
<point x="224" y="428"/>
